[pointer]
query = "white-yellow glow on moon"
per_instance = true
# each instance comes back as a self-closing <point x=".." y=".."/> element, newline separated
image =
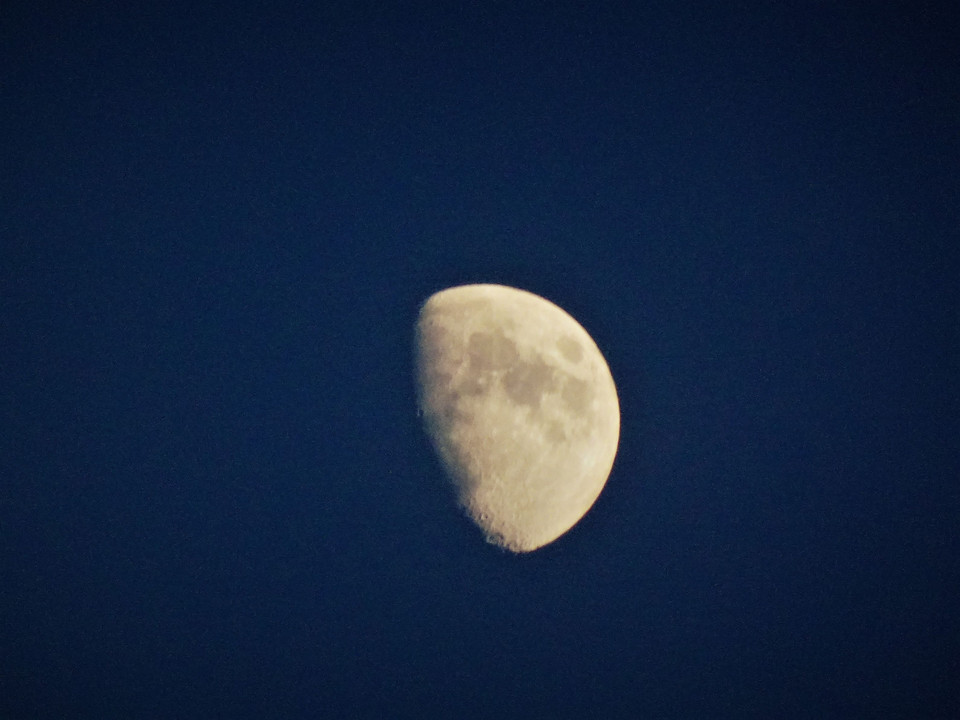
<point x="521" y="408"/>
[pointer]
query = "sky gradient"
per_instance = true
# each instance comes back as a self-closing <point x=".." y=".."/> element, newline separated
<point x="217" y="225"/>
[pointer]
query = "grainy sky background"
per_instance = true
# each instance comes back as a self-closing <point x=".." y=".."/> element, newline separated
<point x="217" y="222"/>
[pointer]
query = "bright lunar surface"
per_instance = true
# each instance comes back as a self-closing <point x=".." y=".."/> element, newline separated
<point x="521" y="408"/>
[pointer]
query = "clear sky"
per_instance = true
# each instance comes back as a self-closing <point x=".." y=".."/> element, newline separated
<point x="217" y="223"/>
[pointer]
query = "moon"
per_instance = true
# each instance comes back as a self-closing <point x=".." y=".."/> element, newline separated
<point x="520" y="406"/>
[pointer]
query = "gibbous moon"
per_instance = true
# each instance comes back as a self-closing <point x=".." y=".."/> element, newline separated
<point x="520" y="406"/>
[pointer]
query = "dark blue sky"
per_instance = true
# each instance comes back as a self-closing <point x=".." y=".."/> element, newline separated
<point x="216" y="226"/>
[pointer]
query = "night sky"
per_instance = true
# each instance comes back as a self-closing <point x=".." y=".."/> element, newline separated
<point x="217" y="225"/>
